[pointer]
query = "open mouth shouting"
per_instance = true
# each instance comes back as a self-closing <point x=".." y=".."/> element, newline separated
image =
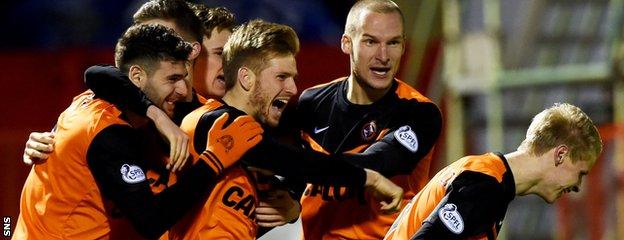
<point x="279" y="104"/>
<point x="380" y="72"/>
<point x="220" y="79"/>
<point x="169" y="105"/>
<point x="276" y="109"/>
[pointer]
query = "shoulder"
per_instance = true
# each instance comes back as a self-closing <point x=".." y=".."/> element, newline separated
<point x="103" y="72"/>
<point x="212" y="115"/>
<point x="405" y="91"/>
<point x="95" y="113"/>
<point x="488" y="164"/>
<point x="114" y="140"/>
<point x="321" y="91"/>
<point x="412" y="101"/>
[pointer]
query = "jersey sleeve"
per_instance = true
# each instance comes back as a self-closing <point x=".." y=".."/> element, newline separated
<point x="116" y="163"/>
<point x="404" y="146"/>
<point x="290" y="162"/>
<point x="110" y="84"/>
<point x="468" y="209"/>
<point x="305" y="165"/>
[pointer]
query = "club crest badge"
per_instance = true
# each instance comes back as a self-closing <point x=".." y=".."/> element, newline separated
<point x="369" y="131"/>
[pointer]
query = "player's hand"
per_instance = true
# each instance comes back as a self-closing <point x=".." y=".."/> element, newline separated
<point x="276" y="208"/>
<point x="38" y="147"/>
<point x="385" y="190"/>
<point x="226" y="145"/>
<point x="178" y="140"/>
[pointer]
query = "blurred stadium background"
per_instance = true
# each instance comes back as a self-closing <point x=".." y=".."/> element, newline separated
<point x="489" y="64"/>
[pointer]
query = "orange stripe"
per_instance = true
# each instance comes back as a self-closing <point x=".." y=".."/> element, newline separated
<point x="211" y="162"/>
<point x="327" y="83"/>
<point x="317" y="147"/>
<point x="405" y="91"/>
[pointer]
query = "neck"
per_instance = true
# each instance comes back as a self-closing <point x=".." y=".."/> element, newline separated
<point x="363" y="95"/>
<point x="239" y="103"/>
<point x="526" y="169"/>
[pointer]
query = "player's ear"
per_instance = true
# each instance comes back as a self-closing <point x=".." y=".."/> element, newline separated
<point x="246" y="78"/>
<point x="137" y="75"/>
<point x="345" y="44"/>
<point x="195" y="51"/>
<point x="560" y="153"/>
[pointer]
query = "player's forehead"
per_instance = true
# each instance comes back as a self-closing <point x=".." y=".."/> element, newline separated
<point x="379" y="24"/>
<point x="217" y="38"/>
<point x="170" y="68"/>
<point x="282" y="64"/>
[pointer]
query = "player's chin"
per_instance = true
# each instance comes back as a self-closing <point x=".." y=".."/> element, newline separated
<point x="218" y="87"/>
<point x="380" y="82"/>
<point x="552" y="198"/>
<point x="272" y="121"/>
<point x="168" y="107"/>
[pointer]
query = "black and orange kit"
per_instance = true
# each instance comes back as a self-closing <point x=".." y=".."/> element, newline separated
<point x="466" y="200"/>
<point x="228" y="213"/>
<point x="396" y="133"/>
<point x="94" y="185"/>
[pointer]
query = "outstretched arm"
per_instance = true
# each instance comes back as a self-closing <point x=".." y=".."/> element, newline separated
<point x="400" y="150"/>
<point x="308" y="166"/>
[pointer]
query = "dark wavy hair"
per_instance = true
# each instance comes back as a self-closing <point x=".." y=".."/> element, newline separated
<point x="177" y="11"/>
<point x="147" y="45"/>
<point x="219" y="18"/>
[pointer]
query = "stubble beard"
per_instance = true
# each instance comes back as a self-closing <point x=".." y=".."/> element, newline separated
<point x="259" y="103"/>
<point x="152" y="95"/>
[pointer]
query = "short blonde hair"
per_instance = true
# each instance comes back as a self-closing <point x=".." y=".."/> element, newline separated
<point x="253" y="44"/>
<point x="378" y="6"/>
<point x="566" y="124"/>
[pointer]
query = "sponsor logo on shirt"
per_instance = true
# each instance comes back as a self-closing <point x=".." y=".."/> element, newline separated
<point x="319" y="130"/>
<point x="239" y="200"/>
<point x="407" y="138"/>
<point x="451" y="218"/>
<point x="132" y="173"/>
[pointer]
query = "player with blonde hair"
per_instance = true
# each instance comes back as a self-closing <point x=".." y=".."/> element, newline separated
<point x="469" y="198"/>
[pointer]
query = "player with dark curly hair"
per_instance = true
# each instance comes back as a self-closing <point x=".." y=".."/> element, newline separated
<point x="94" y="185"/>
